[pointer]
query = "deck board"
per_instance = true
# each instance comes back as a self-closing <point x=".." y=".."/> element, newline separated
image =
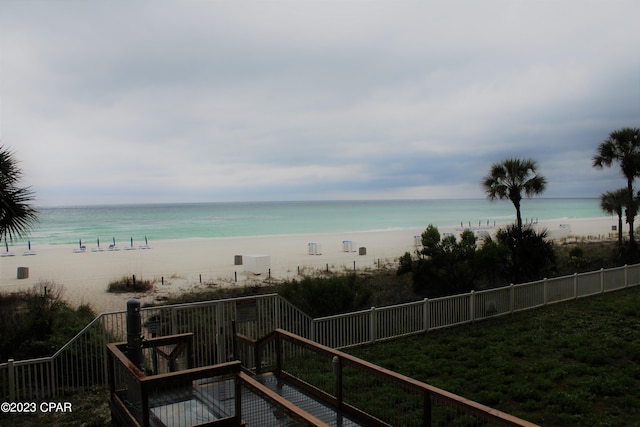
<point x="210" y="399"/>
<point x="304" y="401"/>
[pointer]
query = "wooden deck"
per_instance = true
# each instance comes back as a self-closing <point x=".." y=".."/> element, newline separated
<point x="304" y="401"/>
<point x="209" y="400"/>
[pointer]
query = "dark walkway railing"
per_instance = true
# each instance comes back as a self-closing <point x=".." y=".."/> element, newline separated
<point x="359" y="389"/>
<point x="218" y="395"/>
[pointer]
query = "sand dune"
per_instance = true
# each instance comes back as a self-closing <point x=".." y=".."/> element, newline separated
<point x="183" y="264"/>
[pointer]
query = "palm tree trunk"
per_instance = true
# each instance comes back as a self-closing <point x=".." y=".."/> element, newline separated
<point x="620" y="228"/>
<point x="631" y="214"/>
<point x="518" y="215"/>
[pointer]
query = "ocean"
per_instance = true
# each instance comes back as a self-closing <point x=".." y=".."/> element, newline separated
<point x="68" y="225"/>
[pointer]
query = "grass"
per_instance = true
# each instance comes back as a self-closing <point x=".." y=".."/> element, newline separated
<point x="130" y="284"/>
<point x="570" y="364"/>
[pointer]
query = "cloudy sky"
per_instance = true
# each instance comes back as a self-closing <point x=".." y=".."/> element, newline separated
<point x="197" y="101"/>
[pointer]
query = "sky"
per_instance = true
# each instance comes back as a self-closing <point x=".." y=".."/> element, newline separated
<point x="106" y="102"/>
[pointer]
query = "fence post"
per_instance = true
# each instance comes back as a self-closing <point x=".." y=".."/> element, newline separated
<point x="626" y="276"/>
<point x="174" y="321"/>
<point x="512" y="299"/>
<point x="575" y="285"/>
<point x="277" y="303"/>
<point x="312" y="332"/>
<point x="602" y="280"/>
<point x="427" y="315"/>
<point x="545" y="291"/>
<point x="53" y="388"/>
<point x="372" y="325"/>
<point x="221" y="343"/>
<point x="105" y="354"/>
<point x="12" y="380"/>
<point x="472" y="306"/>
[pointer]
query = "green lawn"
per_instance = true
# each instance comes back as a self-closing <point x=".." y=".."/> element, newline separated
<point x="569" y="364"/>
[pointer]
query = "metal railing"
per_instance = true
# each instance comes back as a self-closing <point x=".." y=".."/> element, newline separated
<point x="379" y="324"/>
<point x="81" y="363"/>
<point x="364" y="392"/>
<point x="175" y="394"/>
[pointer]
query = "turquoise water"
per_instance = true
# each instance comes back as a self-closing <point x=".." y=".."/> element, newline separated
<point x="67" y="225"/>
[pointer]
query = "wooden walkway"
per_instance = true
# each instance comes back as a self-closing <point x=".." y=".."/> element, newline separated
<point x="210" y="400"/>
<point x="302" y="400"/>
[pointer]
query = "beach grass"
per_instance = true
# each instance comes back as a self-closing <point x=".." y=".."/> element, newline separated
<point x="130" y="284"/>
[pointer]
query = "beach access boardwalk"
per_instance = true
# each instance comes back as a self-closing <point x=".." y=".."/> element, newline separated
<point x="280" y="379"/>
<point x="303" y="400"/>
<point x="82" y="363"/>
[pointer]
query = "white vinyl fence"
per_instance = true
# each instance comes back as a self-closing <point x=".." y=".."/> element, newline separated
<point x="81" y="363"/>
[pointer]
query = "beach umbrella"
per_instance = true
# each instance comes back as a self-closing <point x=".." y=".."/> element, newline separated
<point x="29" y="244"/>
<point x="80" y="243"/>
<point x="131" y="241"/>
<point x="6" y="245"/>
<point x="98" y="242"/>
<point x="114" y="241"/>
<point x="145" y="241"/>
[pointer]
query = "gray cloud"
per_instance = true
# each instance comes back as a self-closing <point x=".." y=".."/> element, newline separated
<point x="149" y="101"/>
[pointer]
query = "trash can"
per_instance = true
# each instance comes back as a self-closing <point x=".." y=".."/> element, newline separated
<point x="362" y="251"/>
<point x="23" y="272"/>
<point x="237" y="260"/>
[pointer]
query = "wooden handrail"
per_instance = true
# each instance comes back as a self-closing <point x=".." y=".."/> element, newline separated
<point x="287" y="407"/>
<point x="450" y="398"/>
<point x="192" y="374"/>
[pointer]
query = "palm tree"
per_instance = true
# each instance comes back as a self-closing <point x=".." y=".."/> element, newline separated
<point x="17" y="215"/>
<point x="623" y="147"/>
<point x="615" y="202"/>
<point x="510" y="178"/>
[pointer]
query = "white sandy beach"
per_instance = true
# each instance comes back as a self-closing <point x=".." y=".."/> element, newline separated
<point x="184" y="263"/>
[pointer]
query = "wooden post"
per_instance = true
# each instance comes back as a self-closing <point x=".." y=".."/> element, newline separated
<point x="426" y="416"/>
<point x="336" y="363"/>
<point x="238" y="399"/>
<point x="278" y="355"/>
<point x="144" y="393"/>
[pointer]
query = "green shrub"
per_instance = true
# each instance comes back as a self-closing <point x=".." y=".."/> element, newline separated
<point x="325" y="296"/>
<point x="130" y="284"/>
<point x="37" y="322"/>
